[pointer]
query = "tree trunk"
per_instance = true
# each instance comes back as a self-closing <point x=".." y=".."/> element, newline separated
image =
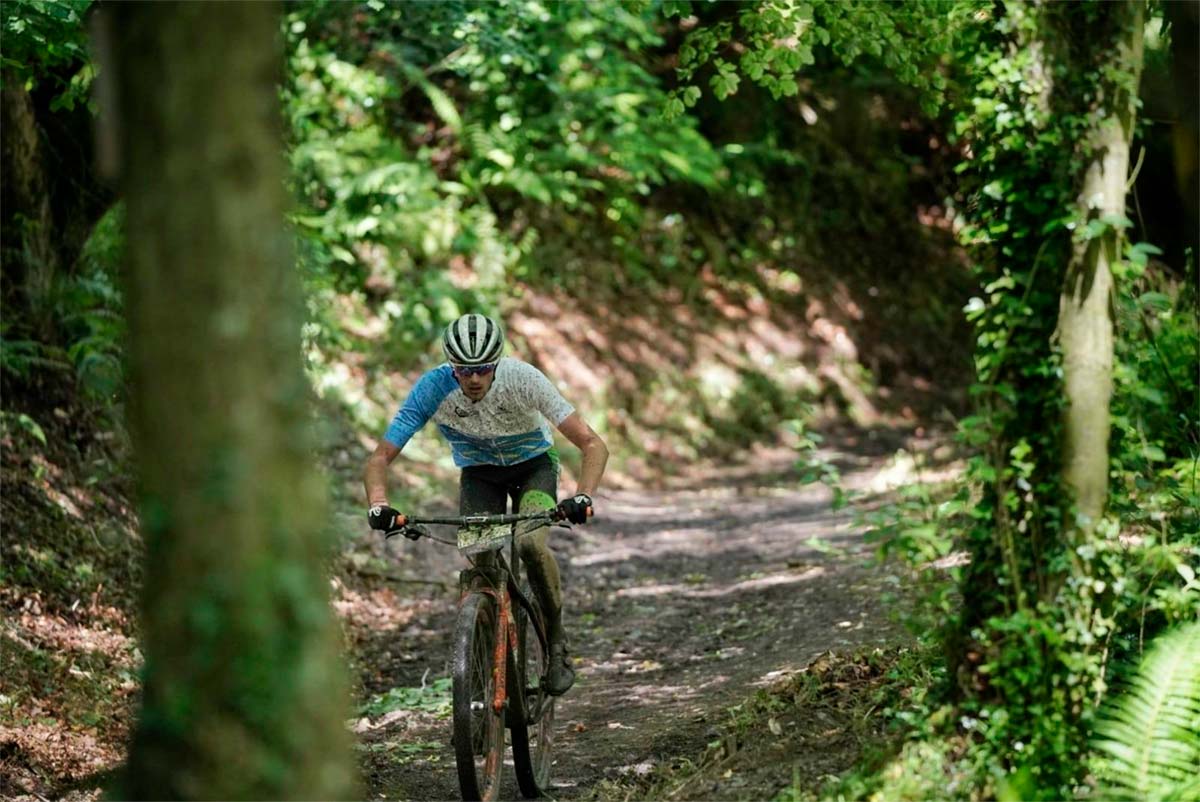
<point x="50" y="198"/>
<point x="1085" y="325"/>
<point x="243" y="691"/>
<point x="28" y="240"/>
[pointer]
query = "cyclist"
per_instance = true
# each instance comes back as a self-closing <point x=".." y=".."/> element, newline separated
<point x="493" y="410"/>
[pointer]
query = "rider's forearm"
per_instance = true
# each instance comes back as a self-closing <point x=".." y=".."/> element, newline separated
<point x="595" y="457"/>
<point x="375" y="481"/>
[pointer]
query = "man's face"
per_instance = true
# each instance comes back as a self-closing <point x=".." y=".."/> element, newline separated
<point x="475" y="381"/>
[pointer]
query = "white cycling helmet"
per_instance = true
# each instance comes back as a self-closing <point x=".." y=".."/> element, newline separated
<point x="473" y="340"/>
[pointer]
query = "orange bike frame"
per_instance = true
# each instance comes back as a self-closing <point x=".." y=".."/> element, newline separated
<point x="506" y="641"/>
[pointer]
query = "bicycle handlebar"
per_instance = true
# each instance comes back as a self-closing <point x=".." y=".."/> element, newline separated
<point x="485" y="520"/>
<point x="549" y="516"/>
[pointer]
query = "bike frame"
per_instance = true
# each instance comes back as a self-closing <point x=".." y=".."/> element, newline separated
<point x="516" y="707"/>
<point x="506" y="629"/>
<point x="506" y="642"/>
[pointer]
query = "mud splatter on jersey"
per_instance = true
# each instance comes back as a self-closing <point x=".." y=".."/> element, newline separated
<point x="510" y="424"/>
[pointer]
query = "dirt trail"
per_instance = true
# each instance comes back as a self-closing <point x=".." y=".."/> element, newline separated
<point x="679" y="604"/>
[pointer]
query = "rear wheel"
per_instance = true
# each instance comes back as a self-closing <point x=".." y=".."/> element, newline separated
<point x="533" y="731"/>
<point x="478" y="729"/>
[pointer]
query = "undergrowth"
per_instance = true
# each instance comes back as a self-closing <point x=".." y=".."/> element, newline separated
<point x="828" y="731"/>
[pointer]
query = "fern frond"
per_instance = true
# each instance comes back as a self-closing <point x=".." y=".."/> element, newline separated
<point x="1148" y="735"/>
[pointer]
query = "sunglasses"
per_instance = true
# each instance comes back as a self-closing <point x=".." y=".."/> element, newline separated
<point x="474" y="370"/>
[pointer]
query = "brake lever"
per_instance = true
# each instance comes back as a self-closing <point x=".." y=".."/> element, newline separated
<point x="413" y="532"/>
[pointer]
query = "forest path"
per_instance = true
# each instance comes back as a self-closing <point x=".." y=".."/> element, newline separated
<point x="679" y="604"/>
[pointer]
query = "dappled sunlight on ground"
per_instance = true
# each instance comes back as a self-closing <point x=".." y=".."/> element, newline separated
<point x="71" y="671"/>
<point x="757" y="583"/>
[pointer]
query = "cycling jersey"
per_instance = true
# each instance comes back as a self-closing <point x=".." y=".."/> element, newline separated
<point x="506" y="426"/>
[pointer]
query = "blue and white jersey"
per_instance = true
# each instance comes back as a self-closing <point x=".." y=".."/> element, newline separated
<point x="508" y="425"/>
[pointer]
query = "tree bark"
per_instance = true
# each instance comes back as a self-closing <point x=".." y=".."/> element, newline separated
<point x="50" y="198"/>
<point x="31" y="259"/>
<point x="243" y="693"/>
<point x="1085" y="325"/>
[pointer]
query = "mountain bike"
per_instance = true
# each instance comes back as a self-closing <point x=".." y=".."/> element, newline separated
<point x="501" y="655"/>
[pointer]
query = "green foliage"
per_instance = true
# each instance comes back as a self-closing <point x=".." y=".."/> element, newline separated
<point x="45" y="41"/>
<point x="19" y="357"/>
<point x="430" y="179"/>
<point x="91" y="310"/>
<point x="815" y="467"/>
<point x="1044" y="612"/>
<point x="86" y="307"/>
<point x="919" y="532"/>
<point x="1147" y="737"/>
<point x="433" y="698"/>
<point x="778" y="39"/>
<point x="23" y="423"/>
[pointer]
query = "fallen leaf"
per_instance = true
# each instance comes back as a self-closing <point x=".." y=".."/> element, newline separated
<point x="774" y="727"/>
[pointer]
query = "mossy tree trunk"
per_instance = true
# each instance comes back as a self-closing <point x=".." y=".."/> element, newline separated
<point x="1085" y="324"/>
<point x="243" y="688"/>
<point x="1045" y="470"/>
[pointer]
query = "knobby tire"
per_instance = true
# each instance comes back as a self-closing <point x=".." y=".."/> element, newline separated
<point x="478" y="729"/>
<point x="532" y="742"/>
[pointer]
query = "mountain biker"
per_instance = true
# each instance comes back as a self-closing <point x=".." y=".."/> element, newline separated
<point x="493" y="410"/>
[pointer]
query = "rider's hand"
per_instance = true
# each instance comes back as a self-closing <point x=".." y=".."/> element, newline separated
<point x="578" y="509"/>
<point x="385" y="518"/>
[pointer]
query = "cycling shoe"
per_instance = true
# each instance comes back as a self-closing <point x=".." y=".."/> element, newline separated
<point x="562" y="674"/>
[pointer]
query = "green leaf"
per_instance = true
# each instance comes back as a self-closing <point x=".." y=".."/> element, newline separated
<point x="1157" y="301"/>
<point x="1147" y="393"/>
<point x="676" y="8"/>
<point x="1146" y="248"/>
<point x="1153" y="453"/>
<point x="724" y="84"/>
<point x="502" y="158"/>
<point x="1147" y="736"/>
<point x="28" y="424"/>
<point x="443" y="106"/>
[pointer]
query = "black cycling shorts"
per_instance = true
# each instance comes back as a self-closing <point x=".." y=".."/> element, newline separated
<point x="486" y="489"/>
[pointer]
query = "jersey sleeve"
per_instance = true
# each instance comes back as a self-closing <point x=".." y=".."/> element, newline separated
<point x="545" y="397"/>
<point x="426" y="395"/>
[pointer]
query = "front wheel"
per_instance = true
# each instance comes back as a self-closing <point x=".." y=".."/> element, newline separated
<point x="478" y="728"/>
<point x="533" y="732"/>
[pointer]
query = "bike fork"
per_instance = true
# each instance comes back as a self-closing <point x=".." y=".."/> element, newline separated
<point x="506" y="640"/>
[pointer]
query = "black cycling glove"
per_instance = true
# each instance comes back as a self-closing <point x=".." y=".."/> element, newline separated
<point x="385" y="518"/>
<point x="578" y="509"/>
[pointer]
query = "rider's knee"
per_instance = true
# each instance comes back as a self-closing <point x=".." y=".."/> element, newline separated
<point x="533" y="549"/>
